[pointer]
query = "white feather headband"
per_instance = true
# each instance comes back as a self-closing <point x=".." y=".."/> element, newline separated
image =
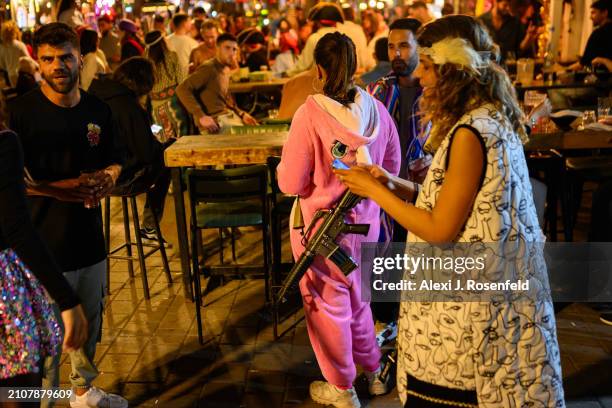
<point x="457" y="51"/>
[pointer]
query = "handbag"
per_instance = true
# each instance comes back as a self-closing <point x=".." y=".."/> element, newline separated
<point x="29" y="330"/>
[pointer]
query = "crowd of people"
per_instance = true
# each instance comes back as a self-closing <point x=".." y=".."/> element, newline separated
<point x="284" y="44"/>
<point x="419" y="107"/>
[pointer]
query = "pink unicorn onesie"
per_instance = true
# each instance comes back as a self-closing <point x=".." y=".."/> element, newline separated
<point x="340" y="325"/>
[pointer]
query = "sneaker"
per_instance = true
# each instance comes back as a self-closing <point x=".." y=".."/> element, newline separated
<point x="606" y="318"/>
<point x="95" y="397"/>
<point x="375" y="385"/>
<point x="325" y="393"/>
<point x="387" y="334"/>
<point x="150" y="234"/>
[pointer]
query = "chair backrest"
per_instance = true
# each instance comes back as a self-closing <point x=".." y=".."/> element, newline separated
<point x="273" y="162"/>
<point x="217" y="186"/>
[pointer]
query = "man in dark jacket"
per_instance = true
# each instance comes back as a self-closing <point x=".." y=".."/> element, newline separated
<point x="144" y="169"/>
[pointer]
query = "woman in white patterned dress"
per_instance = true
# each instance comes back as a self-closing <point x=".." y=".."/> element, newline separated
<point x="479" y="353"/>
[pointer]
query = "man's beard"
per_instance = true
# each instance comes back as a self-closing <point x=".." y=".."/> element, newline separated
<point x="403" y="68"/>
<point x="65" y="86"/>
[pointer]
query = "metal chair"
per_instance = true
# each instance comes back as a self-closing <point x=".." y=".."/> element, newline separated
<point x="280" y="207"/>
<point x="227" y="199"/>
<point x="128" y="244"/>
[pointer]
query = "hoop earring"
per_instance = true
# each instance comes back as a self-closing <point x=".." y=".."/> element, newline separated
<point x="317" y="85"/>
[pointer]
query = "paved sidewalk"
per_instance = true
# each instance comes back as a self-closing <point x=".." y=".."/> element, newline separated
<point x="150" y="352"/>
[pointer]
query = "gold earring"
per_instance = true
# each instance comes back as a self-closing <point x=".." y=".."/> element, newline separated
<point x="317" y="85"/>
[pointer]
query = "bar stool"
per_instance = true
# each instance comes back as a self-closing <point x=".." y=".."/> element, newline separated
<point x="128" y="244"/>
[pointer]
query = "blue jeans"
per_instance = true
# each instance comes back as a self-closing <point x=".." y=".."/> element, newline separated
<point x="90" y="285"/>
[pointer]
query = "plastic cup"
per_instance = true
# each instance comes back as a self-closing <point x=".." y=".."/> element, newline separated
<point x="88" y="176"/>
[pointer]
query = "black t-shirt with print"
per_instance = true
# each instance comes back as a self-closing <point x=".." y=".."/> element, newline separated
<point x="59" y="143"/>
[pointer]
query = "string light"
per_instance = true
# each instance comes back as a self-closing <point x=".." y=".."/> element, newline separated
<point x="103" y="7"/>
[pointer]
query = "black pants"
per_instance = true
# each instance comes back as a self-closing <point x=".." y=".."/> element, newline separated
<point x="388" y="312"/>
<point x="153" y="179"/>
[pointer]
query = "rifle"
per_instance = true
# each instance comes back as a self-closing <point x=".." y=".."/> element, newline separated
<point x="324" y="242"/>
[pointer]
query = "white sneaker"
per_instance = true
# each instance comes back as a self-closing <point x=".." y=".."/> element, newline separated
<point x="375" y="385"/>
<point x="325" y="393"/>
<point x="97" y="398"/>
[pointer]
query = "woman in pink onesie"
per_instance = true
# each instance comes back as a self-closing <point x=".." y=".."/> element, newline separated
<point x="343" y="122"/>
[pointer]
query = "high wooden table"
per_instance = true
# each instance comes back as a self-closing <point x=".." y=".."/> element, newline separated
<point x="209" y="150"/>
<point x="257" y="86"/>
<point x="545" y="86"/>
<point x="575" y="139"/>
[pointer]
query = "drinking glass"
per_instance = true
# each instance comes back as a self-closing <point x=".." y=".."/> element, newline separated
<point x="244" y="73"/>
<point x="88" y="177"/>
<point x="603" y="108"/>
<point x="532" y="99"/>
<point x="524" y="70"/>
<point x="588" y="117"/>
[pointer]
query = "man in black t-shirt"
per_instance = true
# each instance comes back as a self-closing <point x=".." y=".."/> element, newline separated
<point x="598" y="44"/>
<point x="66" y="132"/>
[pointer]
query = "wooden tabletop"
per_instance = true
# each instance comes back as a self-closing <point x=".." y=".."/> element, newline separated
<point x="575" y="139"/>
<point x="542" y="86"/>
<point x="207" y="150"/>
<point x="251" y="86"/>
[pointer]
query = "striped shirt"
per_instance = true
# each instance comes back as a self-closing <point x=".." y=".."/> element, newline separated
<point x="387" y="91"/>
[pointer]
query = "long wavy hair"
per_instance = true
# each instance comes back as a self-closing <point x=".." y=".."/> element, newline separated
<point x="458" y="90"/>
<point x="157" y="52"/>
